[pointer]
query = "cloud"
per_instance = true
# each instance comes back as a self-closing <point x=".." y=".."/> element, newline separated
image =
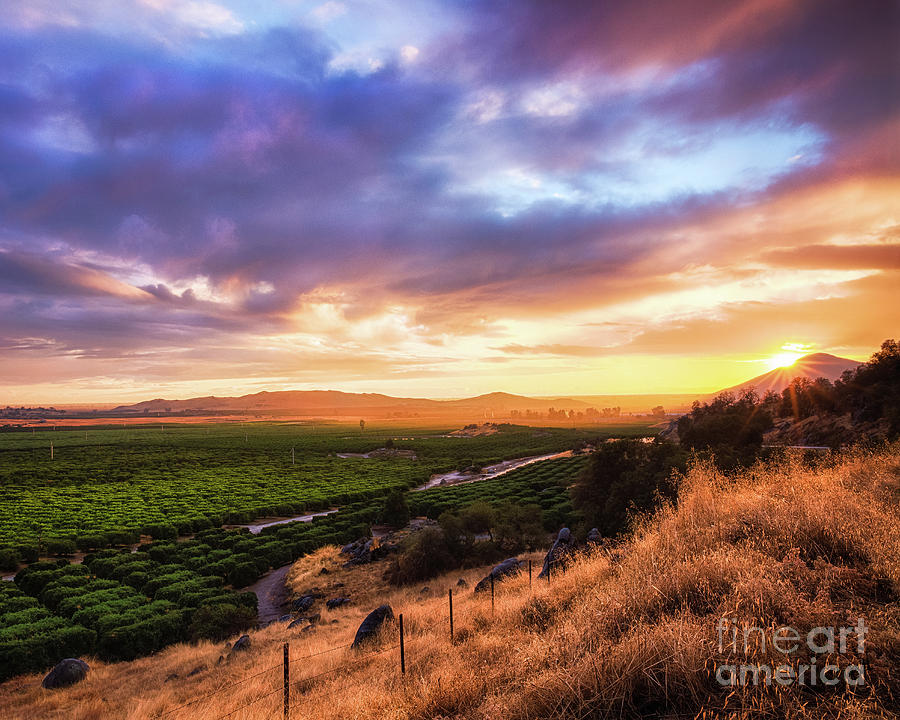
<point x="177" y="171"/>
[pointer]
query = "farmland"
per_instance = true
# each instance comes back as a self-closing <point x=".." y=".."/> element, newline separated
<point x="103" y="486"/>
<point x="544" y="484"/>
<point x="146" y="506"/>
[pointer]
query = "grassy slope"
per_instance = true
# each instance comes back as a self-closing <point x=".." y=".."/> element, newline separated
<point x="627" y="632"/>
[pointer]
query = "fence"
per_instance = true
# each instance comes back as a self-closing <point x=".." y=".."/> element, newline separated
<point x="284" y="688"/>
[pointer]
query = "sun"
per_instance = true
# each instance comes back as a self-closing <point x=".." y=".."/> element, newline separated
<point x="791" y="352"/>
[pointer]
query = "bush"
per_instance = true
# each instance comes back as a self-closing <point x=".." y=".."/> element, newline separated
<point x="395" y="511"/>
<point x="218" y="622"/>
<point x="244" y="574"/>
<point x="160" y="532"/>
<point x="9" y="559"/>
<point x="59" y="546"/>
<point x="424" y="555"/>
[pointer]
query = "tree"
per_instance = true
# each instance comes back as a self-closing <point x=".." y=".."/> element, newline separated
<point x="362" y="425"/>
<point x="730" y="428"/>
<point x="424" y="555"/>
<point x="518" y="527"/>
<point x="659" y="412"/>
<point x="622" y="477"/>
<point x="395" y="511"/>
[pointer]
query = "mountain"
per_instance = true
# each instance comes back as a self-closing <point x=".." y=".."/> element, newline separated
<point x="809" y="366"/>
<point x="333" y="402"/>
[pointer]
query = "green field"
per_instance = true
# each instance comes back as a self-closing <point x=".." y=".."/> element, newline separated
<point x="106" y="487"/>
<point x="189" y="477"/>
<point x="545" y="484"/>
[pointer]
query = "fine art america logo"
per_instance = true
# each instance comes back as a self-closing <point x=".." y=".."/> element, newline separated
<point x="812" y="667"/>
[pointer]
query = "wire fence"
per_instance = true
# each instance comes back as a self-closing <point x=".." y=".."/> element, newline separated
<point x="304" y="683"/>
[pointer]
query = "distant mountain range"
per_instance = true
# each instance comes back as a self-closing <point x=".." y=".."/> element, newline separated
<point x="333" y="402"/>
<point x="809" y="366"/>
<point x="499" y="404"/>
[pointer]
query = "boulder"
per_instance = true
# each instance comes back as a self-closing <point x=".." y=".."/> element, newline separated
<point x="372" y="624"/>
<point x="285" y="618"/>
<point x="336" y="602"/>
<point x="243" y="643"/>
<point x="461" y="583"/>
<point x="510" y="566"/>
<point x="560" y="553"/>
<point x="303" y="604"/>
<point x="65" y="672"/>
<point x="594" y="537"/>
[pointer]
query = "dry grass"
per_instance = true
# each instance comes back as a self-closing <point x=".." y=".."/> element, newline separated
<point x="628" y="633"/>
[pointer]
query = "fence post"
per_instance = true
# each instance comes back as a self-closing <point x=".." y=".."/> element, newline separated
<point x="529" y="573"/>
<point x="287" y="683"/>
<point x="492" y="592"/>
<point x="402" y="649"/>
<point x="450" y="596"/>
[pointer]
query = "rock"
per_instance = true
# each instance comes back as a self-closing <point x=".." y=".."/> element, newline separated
<point x="303" y="604"/>
<point x="324" y="571"/>
<point x="424" y="590"/>
<point x="65" y="672"/>
<point x="366" y="550"/>
<point x="171" y="676"/>
<point x="197" y="670"/>
<point x="243" y="643"/>
<point x="285" y="618"/>
<point x="510" y="566"/>
<point x="461" y="583"/>
<point x="298" y="622"/>
<point x="336" y="602"/>
<point x="560" y="553"/>
<point x="372" y="624"/>
<point x="594" y="537"/>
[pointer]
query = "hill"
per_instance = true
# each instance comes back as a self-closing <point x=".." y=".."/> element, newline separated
<point x="333" y="402"/>
<point x="817" y="365"/>
<point x="629" y="631"/>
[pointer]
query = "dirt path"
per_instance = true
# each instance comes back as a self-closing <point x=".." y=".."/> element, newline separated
<point x="272" y="593"/>
<point x="458" y="477"/>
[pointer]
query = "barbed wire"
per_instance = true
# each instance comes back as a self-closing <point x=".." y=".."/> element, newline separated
<point x="227" y="686"/>
<point x="300" y="681"/>
<point x="246" y="705"/>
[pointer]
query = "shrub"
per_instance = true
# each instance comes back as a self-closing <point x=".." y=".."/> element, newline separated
<point x="28" y="553"/>
<point x="395" y="511"/>
<point x="217" y="622"/>
<point x="244" y="574"/>
<point x="59" y="546"/>
<point x="424" y="555"/>
<point x="9" y="559"/>
<point x="160" y="532"/>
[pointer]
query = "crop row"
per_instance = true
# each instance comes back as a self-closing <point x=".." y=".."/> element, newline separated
<point x="105" y="487"/>
<point x="544" y="484"/>
<point x="121" y="604"/>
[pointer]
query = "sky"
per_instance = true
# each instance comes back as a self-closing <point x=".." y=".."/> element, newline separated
<point x="441" y="198"/>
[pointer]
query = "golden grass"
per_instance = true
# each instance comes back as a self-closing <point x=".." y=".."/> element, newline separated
<point x="625" y="633"/>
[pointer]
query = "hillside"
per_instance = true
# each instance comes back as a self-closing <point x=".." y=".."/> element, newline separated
<point x="817" y="365"/>
<point x="333" y="402"/>
<point x="630" y="631"/>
